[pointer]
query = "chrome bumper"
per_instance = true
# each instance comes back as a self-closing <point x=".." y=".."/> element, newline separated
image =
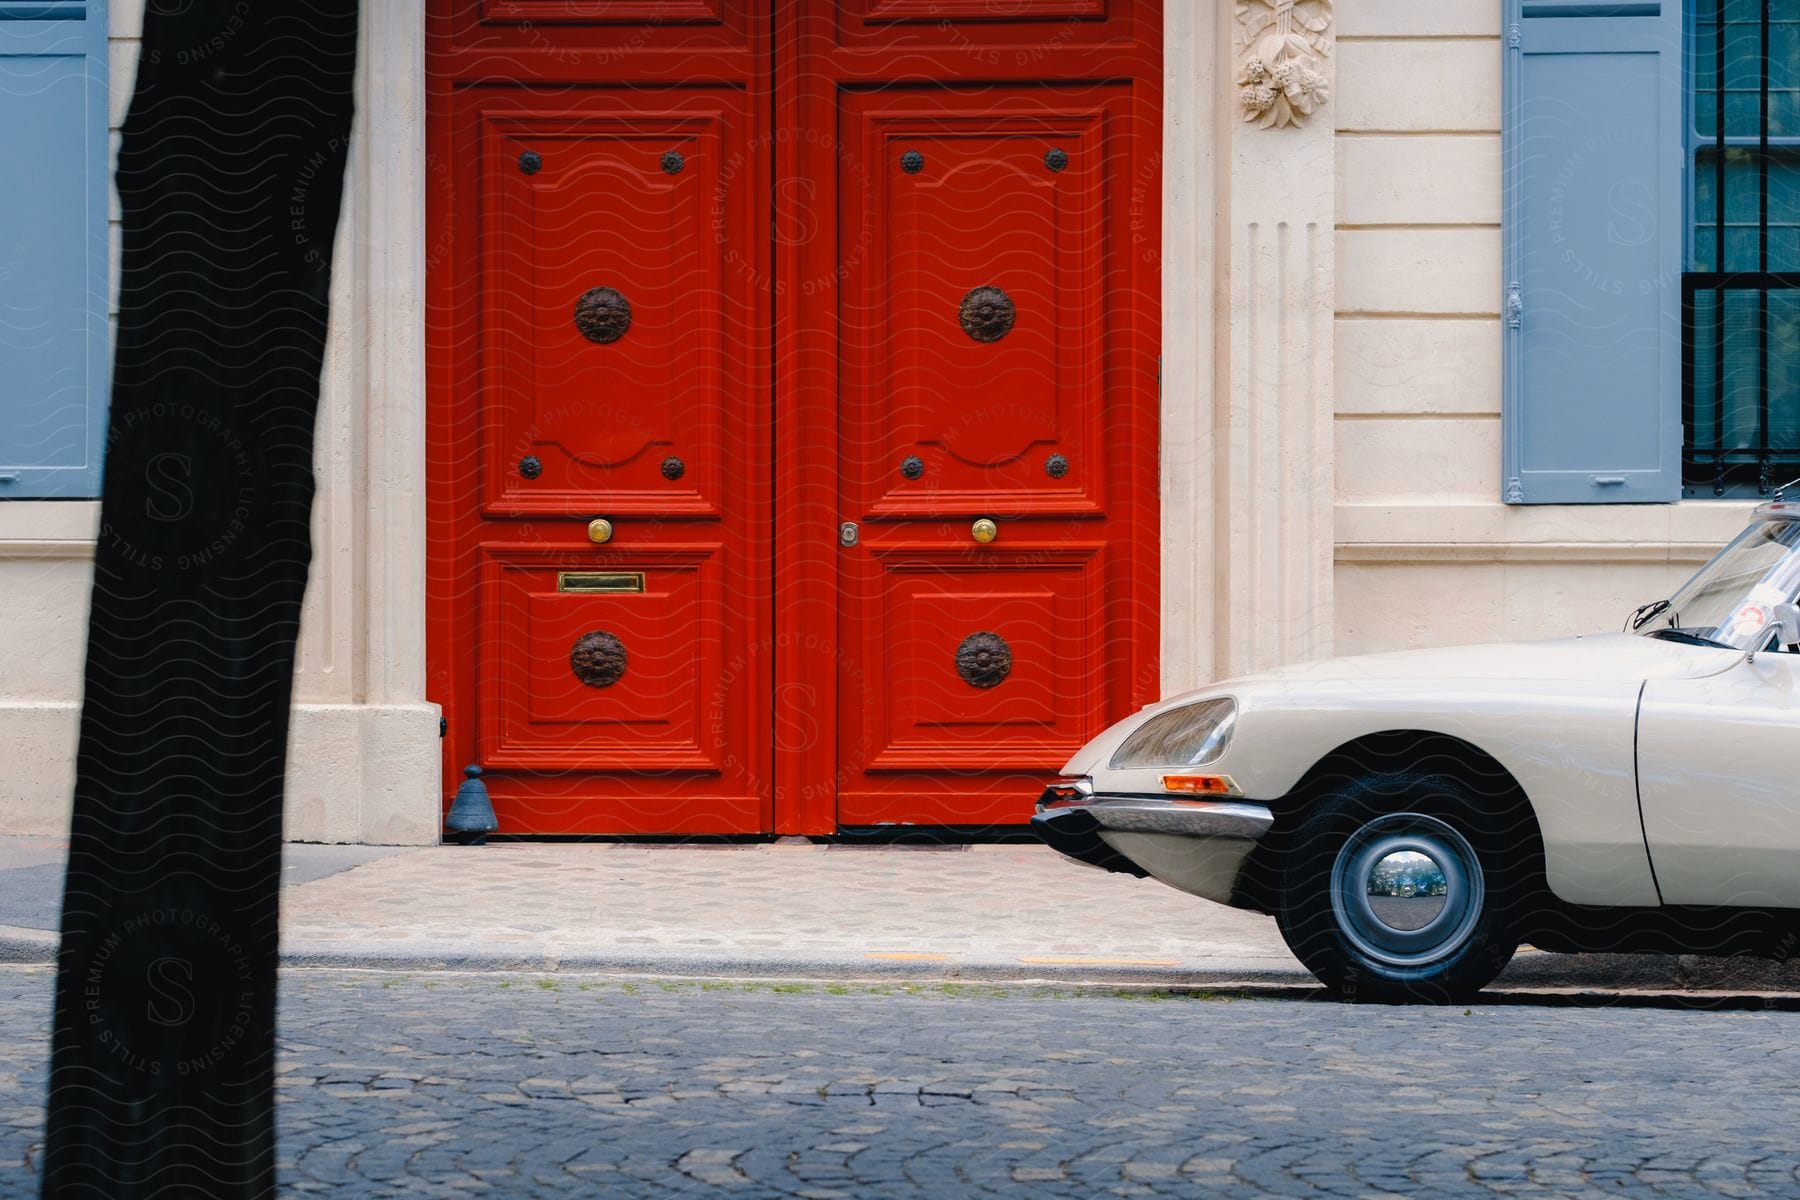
<point x="1196" y="845"/>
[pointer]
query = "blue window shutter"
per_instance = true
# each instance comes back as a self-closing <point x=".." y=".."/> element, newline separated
<point x="54" y="344"/>
<point x="1592" y="251"/>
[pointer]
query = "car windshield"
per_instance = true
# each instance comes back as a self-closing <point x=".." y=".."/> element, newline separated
<point x="1731" y="600"/>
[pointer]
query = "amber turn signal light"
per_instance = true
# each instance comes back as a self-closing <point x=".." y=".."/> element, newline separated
<point x="1201" y="785"/>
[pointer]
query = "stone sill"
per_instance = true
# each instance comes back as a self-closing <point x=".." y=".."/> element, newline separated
<point x="1429" y="530"/>
<point x="49" y="528"/>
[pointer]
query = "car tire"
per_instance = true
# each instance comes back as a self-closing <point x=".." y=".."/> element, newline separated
<point x="1398" y="888"/>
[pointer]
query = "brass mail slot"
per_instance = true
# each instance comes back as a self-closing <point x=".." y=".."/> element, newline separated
<point x="599" y="581"/>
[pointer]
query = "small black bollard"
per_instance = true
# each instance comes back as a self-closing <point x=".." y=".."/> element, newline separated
<point x="471" y="817"/>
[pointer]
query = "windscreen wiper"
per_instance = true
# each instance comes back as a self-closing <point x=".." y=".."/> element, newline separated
<point x="1643" y="614"/>
<point x="1691" y="639"/>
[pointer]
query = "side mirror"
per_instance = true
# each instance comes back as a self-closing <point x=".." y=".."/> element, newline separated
<point x="1786" y="620"/>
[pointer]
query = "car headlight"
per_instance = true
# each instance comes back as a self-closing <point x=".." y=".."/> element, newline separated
<point x="1182" y="737"/>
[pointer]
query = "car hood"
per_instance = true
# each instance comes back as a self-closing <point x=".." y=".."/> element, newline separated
<point x="1592" y="658"/>
<point x="1449" y="676"/>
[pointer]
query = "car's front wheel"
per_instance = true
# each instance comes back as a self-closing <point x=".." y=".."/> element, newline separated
<point x="1398" y="887"/>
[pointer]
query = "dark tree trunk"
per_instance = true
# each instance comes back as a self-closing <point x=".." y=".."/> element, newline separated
<point x="230" y="177"/>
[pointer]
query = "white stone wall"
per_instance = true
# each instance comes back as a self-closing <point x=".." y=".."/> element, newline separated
<point x="1425" y="552"/>
<point x="1330" y="415"/>
<point x="363" y="753"/>
<point x="46" y="572"/>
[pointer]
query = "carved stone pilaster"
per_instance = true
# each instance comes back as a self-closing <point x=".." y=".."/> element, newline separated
<point x="1276" y="459"/>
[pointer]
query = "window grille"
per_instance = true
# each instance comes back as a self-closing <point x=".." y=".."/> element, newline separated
<point x="1741" y="292"/>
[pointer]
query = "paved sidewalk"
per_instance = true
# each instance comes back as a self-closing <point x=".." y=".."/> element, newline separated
<point x="1011" y="912"/>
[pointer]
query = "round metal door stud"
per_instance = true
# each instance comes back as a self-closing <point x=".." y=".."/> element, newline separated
<point x="986" y="314"/>
<point x="531" y="466"/>
<point x="984" y="531"/>
<point x="1056" y="466"/>
<point x="1056" y="159"/>
<point x="912" y="466"/>
<point x="597" y="658"/>
<point x="673" y="468"/>
<point x="600" y="530"/>
<point x="984" y="660"/>
<point x="672" y="162"/>
<point x="602" y="315"/>
<point x="530" y="163"/>
<point x="912" y="162"/>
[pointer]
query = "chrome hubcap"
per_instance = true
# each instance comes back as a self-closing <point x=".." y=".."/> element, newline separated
<point x="1407" y="890"/>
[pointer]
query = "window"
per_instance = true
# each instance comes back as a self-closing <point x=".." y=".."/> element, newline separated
<point x="1741" y="289"/>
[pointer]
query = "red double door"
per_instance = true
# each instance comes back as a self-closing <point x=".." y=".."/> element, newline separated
<point x="749" y="323"/>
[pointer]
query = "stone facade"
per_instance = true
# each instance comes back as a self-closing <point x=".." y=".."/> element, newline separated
<point x="363" y="758"/>
<point x="1330" y="407"/>
<point x="1425" y="551"/>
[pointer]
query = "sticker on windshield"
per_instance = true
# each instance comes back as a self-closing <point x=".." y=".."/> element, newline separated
<point x="1750" y="620"/>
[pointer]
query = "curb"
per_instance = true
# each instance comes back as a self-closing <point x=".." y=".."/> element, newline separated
<point x="843" y="968"/>
<point x="18" y="945"/>
<point x="1535" y="978"/>
<point x="1550" y="977"/>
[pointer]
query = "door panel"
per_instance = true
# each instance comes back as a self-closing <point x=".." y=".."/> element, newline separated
<point x="968" y="37"/>
<point x="687" y="41"/>
<point x="940" y="11"/>
<point x="983" y="660"/>
<point x="604" y="347"/>
<point x="641" y="13"/>
<point x="600" y="349"/>
<point x="1008" y="418"/>
<point x="991" y="354"/>
<point x="642" y="662"/>
<point x="1716" y="783"/>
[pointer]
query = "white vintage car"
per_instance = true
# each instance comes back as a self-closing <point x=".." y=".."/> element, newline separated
<point x="1410" y="818"/>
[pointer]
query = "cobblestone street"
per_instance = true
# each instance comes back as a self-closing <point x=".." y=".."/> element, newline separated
<point x="437" y="1084"/>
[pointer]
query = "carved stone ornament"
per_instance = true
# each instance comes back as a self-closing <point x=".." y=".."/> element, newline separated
<point x="984" y="660"/>
<point x="597" y="658"/>
<point x="1282" y="49"/>
<point x="986" y="314"/>
<point x="603" y="315"/>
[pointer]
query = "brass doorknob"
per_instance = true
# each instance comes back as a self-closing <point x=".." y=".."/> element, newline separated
<point x="600" y="530"/>
<point x="984" y="531"/>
